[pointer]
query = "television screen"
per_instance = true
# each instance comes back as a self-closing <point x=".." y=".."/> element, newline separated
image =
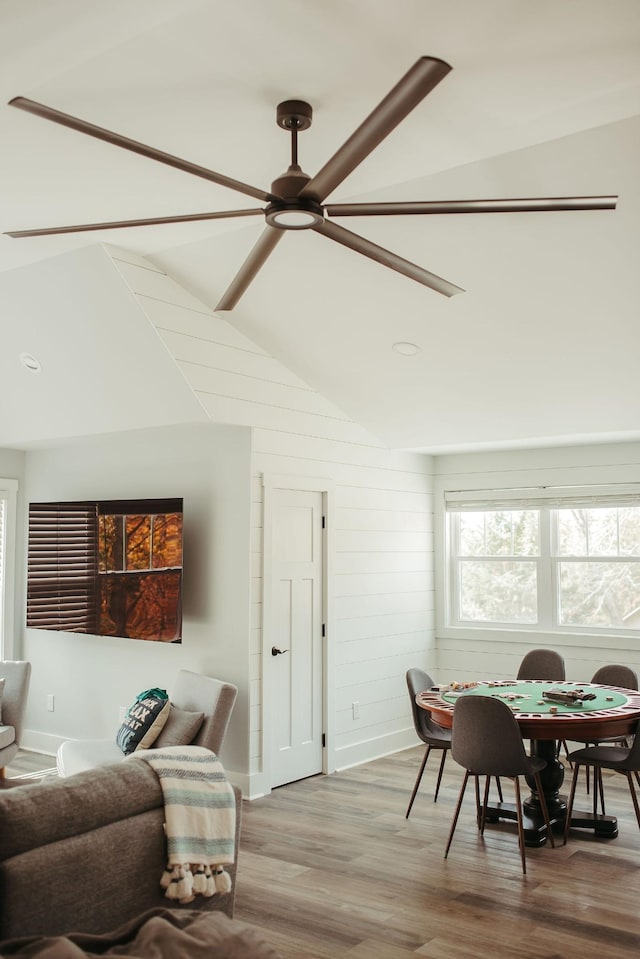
<point x="107" y="568"/>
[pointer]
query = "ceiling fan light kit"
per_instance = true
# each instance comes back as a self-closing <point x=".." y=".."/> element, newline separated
<point x="296" y="200"/>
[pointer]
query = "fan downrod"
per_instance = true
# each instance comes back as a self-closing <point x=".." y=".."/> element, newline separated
<point x="292" y="212"/>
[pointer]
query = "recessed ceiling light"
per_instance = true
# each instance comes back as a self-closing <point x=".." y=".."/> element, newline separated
<point x="406" y="349"/>
<point x="30" y="362"/>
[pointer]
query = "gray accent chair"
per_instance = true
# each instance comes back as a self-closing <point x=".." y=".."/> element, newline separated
<point x="486" y="741"/>
<point x="542" y="664"/>
<point x="431" y="734"/>
<point x="193" y="693"/>
<point x="13" y="701"/>
<point x="613" y="674"/>
<point x="620" y="759"/>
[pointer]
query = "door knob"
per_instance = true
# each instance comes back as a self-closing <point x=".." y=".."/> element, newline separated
<point x="278" y="652"/>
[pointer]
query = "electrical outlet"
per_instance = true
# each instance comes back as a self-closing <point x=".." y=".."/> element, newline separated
<point x="51" y="703"/>
<point x="355" y="709"/>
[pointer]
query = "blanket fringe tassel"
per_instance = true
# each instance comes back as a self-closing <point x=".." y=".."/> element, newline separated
<point x="184" y="882"/>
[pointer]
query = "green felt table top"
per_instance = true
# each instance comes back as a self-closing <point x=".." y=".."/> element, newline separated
<point x="526" y="697"/>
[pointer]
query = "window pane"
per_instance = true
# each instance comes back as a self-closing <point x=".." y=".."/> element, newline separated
<point x="499" y="533"/>
<point x="599" y="594"/>
<point x="603" y="531"/>
<point x="498" y="592"/>
<point x="572" y="532"/>
<point x="629" y="526"/>
<point x="138" y="542"/>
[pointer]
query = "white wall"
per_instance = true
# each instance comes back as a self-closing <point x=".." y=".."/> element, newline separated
<point x="382" y="620"/>
<point x="468" y="653"/>
<point x="382" y="616"/>
<point x="91" y="677"/>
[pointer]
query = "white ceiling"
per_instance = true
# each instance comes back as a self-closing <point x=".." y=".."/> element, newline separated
<point x="543" y="100"/>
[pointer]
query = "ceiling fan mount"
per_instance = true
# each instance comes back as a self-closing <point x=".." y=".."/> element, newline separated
<point x="291" y="211"/>
<point x="297" y="201"/>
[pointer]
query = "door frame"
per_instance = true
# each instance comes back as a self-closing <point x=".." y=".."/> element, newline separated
<point x="312" y="484"/>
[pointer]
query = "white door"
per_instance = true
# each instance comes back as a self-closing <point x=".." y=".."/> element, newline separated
<point x="293" y="666"/>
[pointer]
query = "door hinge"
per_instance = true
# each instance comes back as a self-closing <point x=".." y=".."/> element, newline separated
<point x="323" y="630"/>
<point x="324" y="740"/>
<point x="323" y="521"/>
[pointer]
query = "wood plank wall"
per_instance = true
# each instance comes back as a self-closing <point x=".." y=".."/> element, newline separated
<point x="382" y="524"/>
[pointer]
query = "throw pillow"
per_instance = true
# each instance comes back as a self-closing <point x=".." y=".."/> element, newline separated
<point x="2" y="682"/>
<point x="180" y="729"/>
<point x="143" y="721"/>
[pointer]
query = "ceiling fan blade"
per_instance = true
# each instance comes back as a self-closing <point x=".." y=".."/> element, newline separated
<point x="249" y="269"/>
<point x="474" y="206"/>
<point x="423" y="76"/>
<point x="83" y="126"/>
<point x="358" y="243"/>
<point x="117" y="224"/>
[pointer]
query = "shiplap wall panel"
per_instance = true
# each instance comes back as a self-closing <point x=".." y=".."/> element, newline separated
<point x="384" y="519"/>
<point x="381" y="604"/>
<point x="256" y="389"/>
<point x="381" y="526"/>
<point x="383" y="626"/>
<point x="221" y="357"/>
<point x="367" y="584"/>
<point x="183" y="323"/>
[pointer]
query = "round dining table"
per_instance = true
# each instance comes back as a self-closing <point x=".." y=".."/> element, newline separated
<point x="583" y="712"/>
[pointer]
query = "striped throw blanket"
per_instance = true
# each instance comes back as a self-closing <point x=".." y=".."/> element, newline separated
<point x="200" y="820"/>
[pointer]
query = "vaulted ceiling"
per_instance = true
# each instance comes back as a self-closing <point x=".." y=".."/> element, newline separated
<point x="543" y="100"/>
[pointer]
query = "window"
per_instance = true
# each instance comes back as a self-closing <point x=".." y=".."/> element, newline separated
<point x="549" y="562"/>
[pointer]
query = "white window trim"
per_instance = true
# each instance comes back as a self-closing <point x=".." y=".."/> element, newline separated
<point x="518" y="487"/>
<point x="9" y="493"/>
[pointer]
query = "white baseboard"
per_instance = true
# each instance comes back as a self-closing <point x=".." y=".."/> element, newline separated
<point x="371" y="749"/>
<point x="34" y="741"/>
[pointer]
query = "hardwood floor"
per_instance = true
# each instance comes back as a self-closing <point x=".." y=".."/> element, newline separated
<point x="330" y="868"/>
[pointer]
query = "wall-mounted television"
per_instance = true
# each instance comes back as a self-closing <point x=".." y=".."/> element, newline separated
<point x="107" y="568"/>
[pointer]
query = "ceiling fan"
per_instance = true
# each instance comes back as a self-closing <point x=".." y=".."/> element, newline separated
<point x="296" y="200"/>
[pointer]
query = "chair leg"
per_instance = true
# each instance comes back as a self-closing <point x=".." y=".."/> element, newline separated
<point x="440" y="771"/>
<point x="574" y="783"/>
<point x="520" y="826"/>
<point x="544" y="807"/>
<point x="634" y="798"/>
<point x="499" y="785"/>
<point x="457" y="812"/>
<point x="418" y="780"/>
<point x="483" y="813"/>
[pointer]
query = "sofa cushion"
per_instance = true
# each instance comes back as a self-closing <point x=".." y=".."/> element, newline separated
<point x="180" y="729"/>
<point x="144" y="721"/>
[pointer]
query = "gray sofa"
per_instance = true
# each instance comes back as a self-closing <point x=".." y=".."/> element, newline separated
<point x="85" y="854"/>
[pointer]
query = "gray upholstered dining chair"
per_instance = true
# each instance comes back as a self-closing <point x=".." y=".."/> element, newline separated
<point x="486" y="741"/>
<point x="613" y="674"/>
<point x="431" y="734"/>
<point x="14" y="680"/>
<point x="542" y="664"/>
<point x="620" y="759"/>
